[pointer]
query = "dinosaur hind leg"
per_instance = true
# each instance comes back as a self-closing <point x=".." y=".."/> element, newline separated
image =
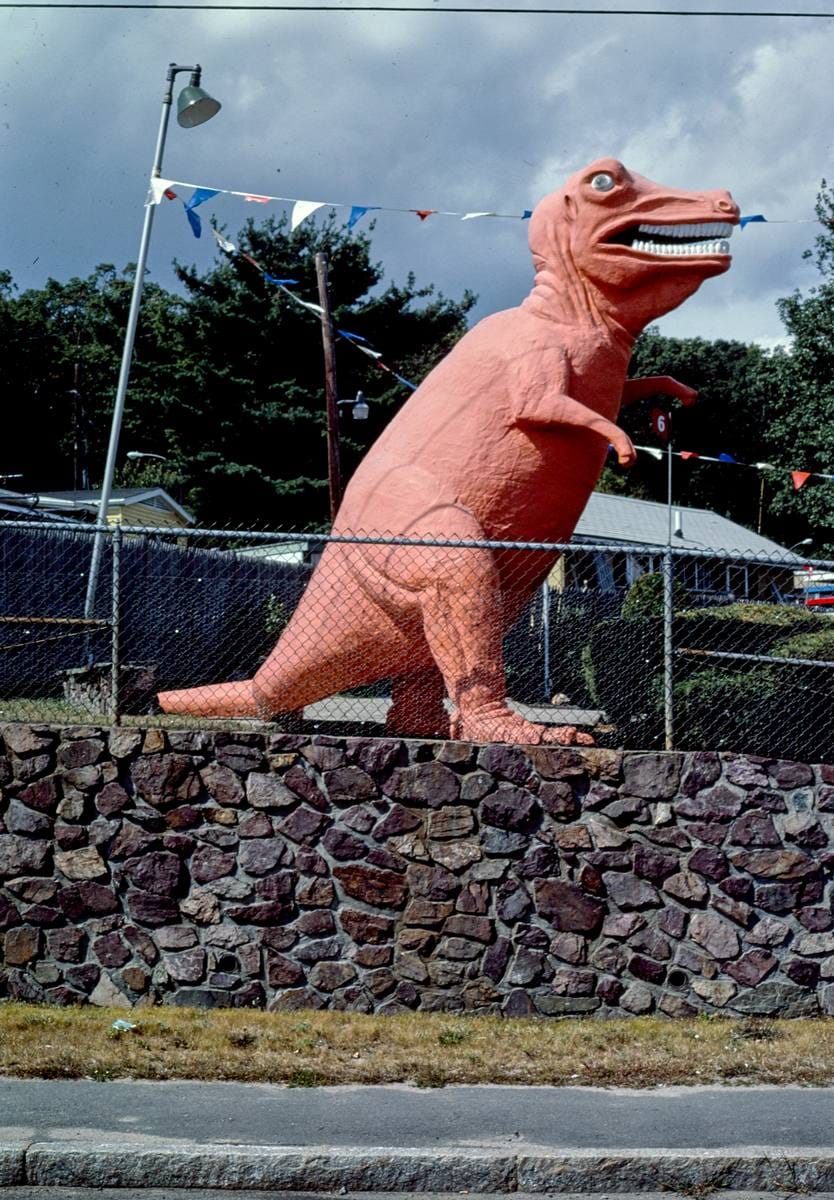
<point x="417" y="708"/>
<point x="462" y="619"/>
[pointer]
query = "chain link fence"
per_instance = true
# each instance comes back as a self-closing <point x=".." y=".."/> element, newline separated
<point x="641" y="646"/>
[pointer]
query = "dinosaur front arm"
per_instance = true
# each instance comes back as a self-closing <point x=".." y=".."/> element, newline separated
<point x="560" y="409"/>
<point x="657" y="385"/>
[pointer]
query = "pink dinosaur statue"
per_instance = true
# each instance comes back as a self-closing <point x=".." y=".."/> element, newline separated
<point x="504" y="440"/>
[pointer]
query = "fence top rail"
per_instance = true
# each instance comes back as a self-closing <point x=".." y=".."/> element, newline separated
<point x="788" y="560"/>
<point x="58" y="526"/>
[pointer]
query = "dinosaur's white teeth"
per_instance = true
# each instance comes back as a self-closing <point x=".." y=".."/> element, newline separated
<point x="666" y="250"/>
<point x="708" y="229"/>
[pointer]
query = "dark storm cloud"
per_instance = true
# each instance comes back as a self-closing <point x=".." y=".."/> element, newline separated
<point x="431" y="110"/>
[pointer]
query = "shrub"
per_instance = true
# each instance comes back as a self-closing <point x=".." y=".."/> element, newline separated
<point x="731" y="704"/>
<point x="645" y="597"/>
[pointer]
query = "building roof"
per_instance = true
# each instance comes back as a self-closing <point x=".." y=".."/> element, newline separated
<point x="87" y="502"/>
<point x="646" y="522"/>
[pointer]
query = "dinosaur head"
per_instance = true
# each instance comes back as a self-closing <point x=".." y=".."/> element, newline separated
<point x="634" y="249"/>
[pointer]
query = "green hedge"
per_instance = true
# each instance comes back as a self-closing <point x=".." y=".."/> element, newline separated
<point x="759" y="708"/>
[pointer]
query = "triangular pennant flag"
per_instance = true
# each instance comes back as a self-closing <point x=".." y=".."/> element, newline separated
<point x="763" y="466"/>
<point x="258" y="199"/>
<point x="527" y="214"/>
<point x="800" y="478"/>
<point x="370" y="353"/>
<point x="158" y="187"/>
<point x="423" y="213"/>
<point x="652" y="450"/>
<point x="225" y="245"/>
<point x="727" y="458"/>
<point x="472" y="216"/>
<point x="689" y="454"/>
<point x="193" y="220"/>
<point x="199" y="196"/>
<point x="742" y="221"/>
<point x="302" y="209"/>
<point x="170" y="194"/>
<point x="282" y="282"/>
<point x="351" y="337"/>
<point x="405" y="382"/>
<point x="251" y="260"/>
<point x="358" y="211"/>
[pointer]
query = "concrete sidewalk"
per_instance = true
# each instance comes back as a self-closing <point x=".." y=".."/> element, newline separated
<point x="400" y="1139"/>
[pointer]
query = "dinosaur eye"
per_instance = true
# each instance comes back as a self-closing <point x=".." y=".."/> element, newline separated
<point x="603" y="182"/>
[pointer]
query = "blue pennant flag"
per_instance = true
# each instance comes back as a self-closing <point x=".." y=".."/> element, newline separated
<point x="742" y="221"/>
<point x="358" y="211"/>
<point x="199" y="197"/>
<point x="271" y="279"/>
<point x="351" y="337"/>
<point x="527" y="214"/>
<point x="194" y="221"/>
<point x="405" y="382"/>
<point x="728" y="458"/>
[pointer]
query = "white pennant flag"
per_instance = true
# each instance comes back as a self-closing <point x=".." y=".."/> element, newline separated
<point x="472" y="216"/>
<point x="223" y="243"/>
<point x="158" y="189"/>
<point x="302" y="209"/>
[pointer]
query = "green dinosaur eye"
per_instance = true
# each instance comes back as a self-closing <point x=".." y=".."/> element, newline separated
<point x="603" y="182"/>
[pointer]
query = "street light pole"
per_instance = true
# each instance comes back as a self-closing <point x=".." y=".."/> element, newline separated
<point x="198" y="107"/>
<point x="331" y="394"/>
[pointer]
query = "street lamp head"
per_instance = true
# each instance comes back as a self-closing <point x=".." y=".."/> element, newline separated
<point x="360" y="409"/>
<point x="194" y="104"/>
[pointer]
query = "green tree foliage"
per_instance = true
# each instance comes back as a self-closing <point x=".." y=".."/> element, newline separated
<point x="62" y="347"/>
<point x="734" y="384"/>
<point x="227" y="377"/>
<point x="252" y="410"/>
<point x="802" y="426"/>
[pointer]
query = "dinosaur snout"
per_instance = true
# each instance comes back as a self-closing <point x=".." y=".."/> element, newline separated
<point x="724" y="203"/>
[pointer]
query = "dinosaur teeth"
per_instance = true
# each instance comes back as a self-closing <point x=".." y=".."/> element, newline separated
<point x="706" y="229"/>
<point x="678" y="249"/>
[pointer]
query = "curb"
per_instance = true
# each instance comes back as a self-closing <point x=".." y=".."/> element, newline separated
<point x="380" y="1169"/>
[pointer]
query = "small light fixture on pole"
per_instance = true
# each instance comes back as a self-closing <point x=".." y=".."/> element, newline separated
<point x="360" y="409"/>
<point x="194" y="106"/>
<point x="805" y="542"/>
<point x="137" y="454"/>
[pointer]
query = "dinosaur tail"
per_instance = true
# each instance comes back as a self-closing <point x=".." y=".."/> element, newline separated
<point x="337" y="638"/>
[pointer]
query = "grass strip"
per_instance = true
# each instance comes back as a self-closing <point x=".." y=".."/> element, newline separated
<point x="310" y="1049"/>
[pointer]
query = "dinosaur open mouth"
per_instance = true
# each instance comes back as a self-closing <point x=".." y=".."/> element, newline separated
<point x="709" y="237"/>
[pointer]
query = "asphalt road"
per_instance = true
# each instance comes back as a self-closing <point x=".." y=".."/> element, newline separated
<point x="503" y="1118"/>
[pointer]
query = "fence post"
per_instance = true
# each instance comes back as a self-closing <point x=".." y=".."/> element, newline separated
<point x="668" y="652"/>
<point x="115" y="624"/>
<point x="548" y="687"/>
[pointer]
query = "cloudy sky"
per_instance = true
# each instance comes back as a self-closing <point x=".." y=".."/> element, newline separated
<point x="423" y="110"/>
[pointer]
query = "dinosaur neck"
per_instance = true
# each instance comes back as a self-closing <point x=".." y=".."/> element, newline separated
<point x="562" y="296"/>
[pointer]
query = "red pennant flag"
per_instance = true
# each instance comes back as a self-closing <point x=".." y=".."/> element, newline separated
<point x="422" y="213"/>
<point x="689" y="454"/>
<point x="169" y="194"/>
<point x="800" y="478"/>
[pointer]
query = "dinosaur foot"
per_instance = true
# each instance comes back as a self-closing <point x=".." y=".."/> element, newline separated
<point x="496" y="723"/>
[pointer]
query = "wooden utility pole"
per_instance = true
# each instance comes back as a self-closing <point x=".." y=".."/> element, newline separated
<point x="331" y="392"/>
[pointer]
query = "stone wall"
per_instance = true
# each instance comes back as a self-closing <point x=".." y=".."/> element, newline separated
<point x="284" y="871"/>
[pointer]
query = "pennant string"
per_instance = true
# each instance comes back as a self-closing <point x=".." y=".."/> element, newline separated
<point x="799" y="478"/>
<point x="160" y="187"/>
<point x="353" y="339"/>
